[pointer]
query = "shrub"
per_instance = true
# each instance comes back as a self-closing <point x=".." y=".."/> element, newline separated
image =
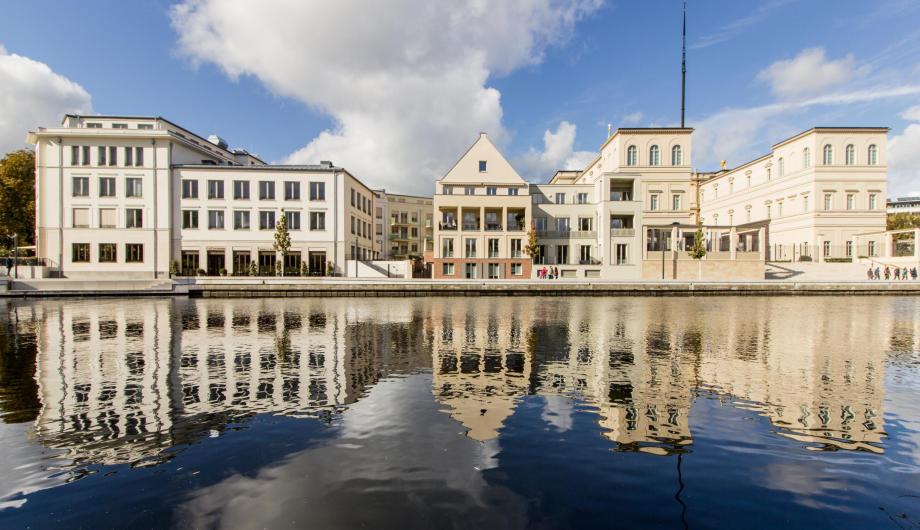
<point x="201" y="272"/>
<point x="804" y="258"/>
<point x="253" y="269"/>
<point x="222" y="272"/>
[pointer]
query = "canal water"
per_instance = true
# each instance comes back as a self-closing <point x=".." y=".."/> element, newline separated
<point x="711" y="412"/>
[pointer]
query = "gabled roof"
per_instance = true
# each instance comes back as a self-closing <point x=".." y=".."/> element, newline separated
<point x="498" y="169"/>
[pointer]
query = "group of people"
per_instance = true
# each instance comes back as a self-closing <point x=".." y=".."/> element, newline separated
<point x="892" y="273"/>
<point x="548" y="273"/>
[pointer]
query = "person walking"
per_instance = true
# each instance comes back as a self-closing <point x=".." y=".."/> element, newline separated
<point x="877" y="273"/>
<point x="897" y="273"/>
<point x="887" y="273"/>
<point x="870" y="273"/>
<point x="904" y="274"/>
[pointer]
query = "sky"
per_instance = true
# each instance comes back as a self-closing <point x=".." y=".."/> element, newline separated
<point x="396" y="91"/>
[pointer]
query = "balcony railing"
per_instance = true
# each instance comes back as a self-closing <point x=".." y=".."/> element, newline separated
<point x="493" y="227"/>
<point x="589" y="261"/>
<point x="515" y="227"/>
<point x="622" y="232"/>
<point x="567" y="234"/>
<point x="471" y="226"/>
<point x="447" y="226"/>
<point x="620" y="195"/>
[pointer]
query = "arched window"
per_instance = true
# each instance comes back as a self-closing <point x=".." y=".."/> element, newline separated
<point x="851" y="155"/>
<point x="828" y="155"/>
<point x="782" y="166"/>
<point x="677" y="156"/>
<point x="632" y="156"/>
<point x="654" y="157"/>
<point x="806" y="157"/>
<point x="873" y="155"/>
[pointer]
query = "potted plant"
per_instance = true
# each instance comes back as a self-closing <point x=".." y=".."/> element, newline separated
<point x="253" y="269"/>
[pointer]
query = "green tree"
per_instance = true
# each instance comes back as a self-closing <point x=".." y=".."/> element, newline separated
<point x="698" y="250"/>
<point x="17" y="197"/>
<point x="282" y="240"/>
<point x="903" y="221"/>
<point x="532" y="249"/>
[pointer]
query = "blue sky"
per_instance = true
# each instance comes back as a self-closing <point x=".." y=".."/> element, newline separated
<point x="397" y="94"/>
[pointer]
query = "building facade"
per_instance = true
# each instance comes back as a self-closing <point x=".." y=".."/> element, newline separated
<point x="818" y="190"/>
<point x="904" y="205"/>
<point x="138" y="196"/>
<point x="403" y="225"/>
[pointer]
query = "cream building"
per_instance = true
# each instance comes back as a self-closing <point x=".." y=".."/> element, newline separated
<point x="404" y="225"/>
<point x="483" y="211"/>
<point x="818" y="190"/>
<point x="134" y="196"/>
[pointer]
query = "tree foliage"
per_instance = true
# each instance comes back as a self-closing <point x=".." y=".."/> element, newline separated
<point x="17" y="197"/>
<point x="532" y="249"/>
<point x="282" y="240"/>
<point x="698" y="249"/>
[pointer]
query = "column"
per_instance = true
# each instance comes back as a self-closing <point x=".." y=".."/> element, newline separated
<point x="732" y="243"/>
<point x="761" y="244"/>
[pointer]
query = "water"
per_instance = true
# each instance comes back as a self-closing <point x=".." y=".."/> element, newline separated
<point x="461" y="413"/>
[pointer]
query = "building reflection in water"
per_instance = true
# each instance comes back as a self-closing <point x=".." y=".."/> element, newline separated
<point x="123" y="381"/>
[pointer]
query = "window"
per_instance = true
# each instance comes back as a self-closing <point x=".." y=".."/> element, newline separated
<point x="81" y="186"/>
<point x="352" y="197"/>
<point x="145" y="126"/>
<point x="517" y="269"/>
<point x="469" y="270"/>
<point x="134" y="187"/>
<point x="632" y="156"/>
<point x="134" y="218"/>
<point x="806" y="157"/>
<point x="94" y="125"/>
<point x="138" y="156"/>
<point x="317" y="220"/>
<point x="215" y="219"/>
<point x="493" y="271"/>
<point x="352" y="224"/>
<point x="562" y="225"/>
<point x="675" y="202"/>
<point x="447" y="248"/>
<point x="241" y="189"/>
<point x="872" y="155"/>
<point x="100" y="154"/>
<point x="779" y="211"/>
<point x="748" y="178"/>
<point x="872" y="248"/>
<point x="469" y="190"/>
<point x="872" y="201"/>
<point x="516" y="248"/>
<point x="620" y="256"/>
<point x="782" y="166"/>
<point x="493" y="248"/>
<point x="447" y="269"/>
<point x="584" y="254"/>
<point x="539" y="224"/>
<point x="448" y="190"/>
<point x="108" y="253"/>
<point x="75" y="155"/>
<point x="107" y="217"/>
<point x="85" y="156"/>
<point x="747" y="214"/>
<point x="81" y="217"/>
<point x="293" y="220"/>
<point x="805" y="203"/>
<point x="189" y="189"/>
<point x="850" y="201"/>
<point x="513" y="191"/>
<point x="491" y="190"/>
<point x="850" y="155"/>
<point x="470" y="246"/>
<point x="849" y="249"/>
<point x="129" y="156"/>
<point x="215" y="189"/>
<point x="560" y="198"/>
<point x="266" y="220"/>
<point x="826" y="248"/>
<point x="190" y="219"/>
<point x="267" y="191"/>
<point x="828" y="201"/>
<point x="585" y="224"/>
<point x="241" y="220"/>
<point x="653" y="205"/>
<point x="654" y="157"/>
<point x="113" y="156"/>
<point x="291" y="191"/>
<point x="677" y="156"/>
<point x="134" y="253"/>
<point x="828" y="155"/>
<point x="482" y="166"/>
<point x="119" y="125"/>
<point x="80" y="253"/>
<point x="106" y="186"/>
<point x="769" y="212"/>
<point x="317" y="191"/>
<point x="582" y="198"/>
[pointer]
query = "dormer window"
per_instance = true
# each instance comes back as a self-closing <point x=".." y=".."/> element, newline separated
<point x="119" y="125"/>
<point x="93" y="125"/>
<point x="482" y="166"/>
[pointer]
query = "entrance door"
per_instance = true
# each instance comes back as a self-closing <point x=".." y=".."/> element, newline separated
<point x="241" y="261"/>
<point x="189" y="262"/>
<point x="267" y="263"/>
<point x="216" y="262"/>
<point x="317" y="263"/>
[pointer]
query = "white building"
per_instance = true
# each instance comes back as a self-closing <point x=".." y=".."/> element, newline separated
<point x="904" y="205"/>
<point x="135" y="196"/>
<point x="818" y="190"/>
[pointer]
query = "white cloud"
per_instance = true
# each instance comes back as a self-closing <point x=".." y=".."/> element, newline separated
<point x="808" y="73"/>
<point x="738" y="26"/>
<point x="405" y="81"/>
<point x="632" y="119"/>
<point x="32" y="95"/>
<point x="558" y="153"/>
<point x="904" y="157"/>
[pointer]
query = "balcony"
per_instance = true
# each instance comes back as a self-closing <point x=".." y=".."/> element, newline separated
<point x="622" y="232"/>
<point x="493" y="227"/>
<point x="471" y="226"/>
<point x="621" y="195"/>
<point x="567" y="234"/>
<point x="447" y="226"/>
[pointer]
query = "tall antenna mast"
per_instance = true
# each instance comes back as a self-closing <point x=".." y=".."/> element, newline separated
<point x="683" y="69"/>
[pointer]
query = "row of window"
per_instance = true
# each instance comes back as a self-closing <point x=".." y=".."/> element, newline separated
<point x="490" y="190"/>
<point x="107" y="253"/>
<point x="107" y="187"/>
<point x="242" y="220"/>
<point x="81" y="155"/>
<point x="140" y="126"/>
<point x="134" y="218"/>
<point x="360" y="227"/>
<point x="361" y="201"/>
<point x="241" y="190"/>
<point x="655" y="202"/>
<point x="850" y="204"/>
<point x="470" y="270"/>
<point x="469" y="245"/>
<point x="654" y="156"/>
